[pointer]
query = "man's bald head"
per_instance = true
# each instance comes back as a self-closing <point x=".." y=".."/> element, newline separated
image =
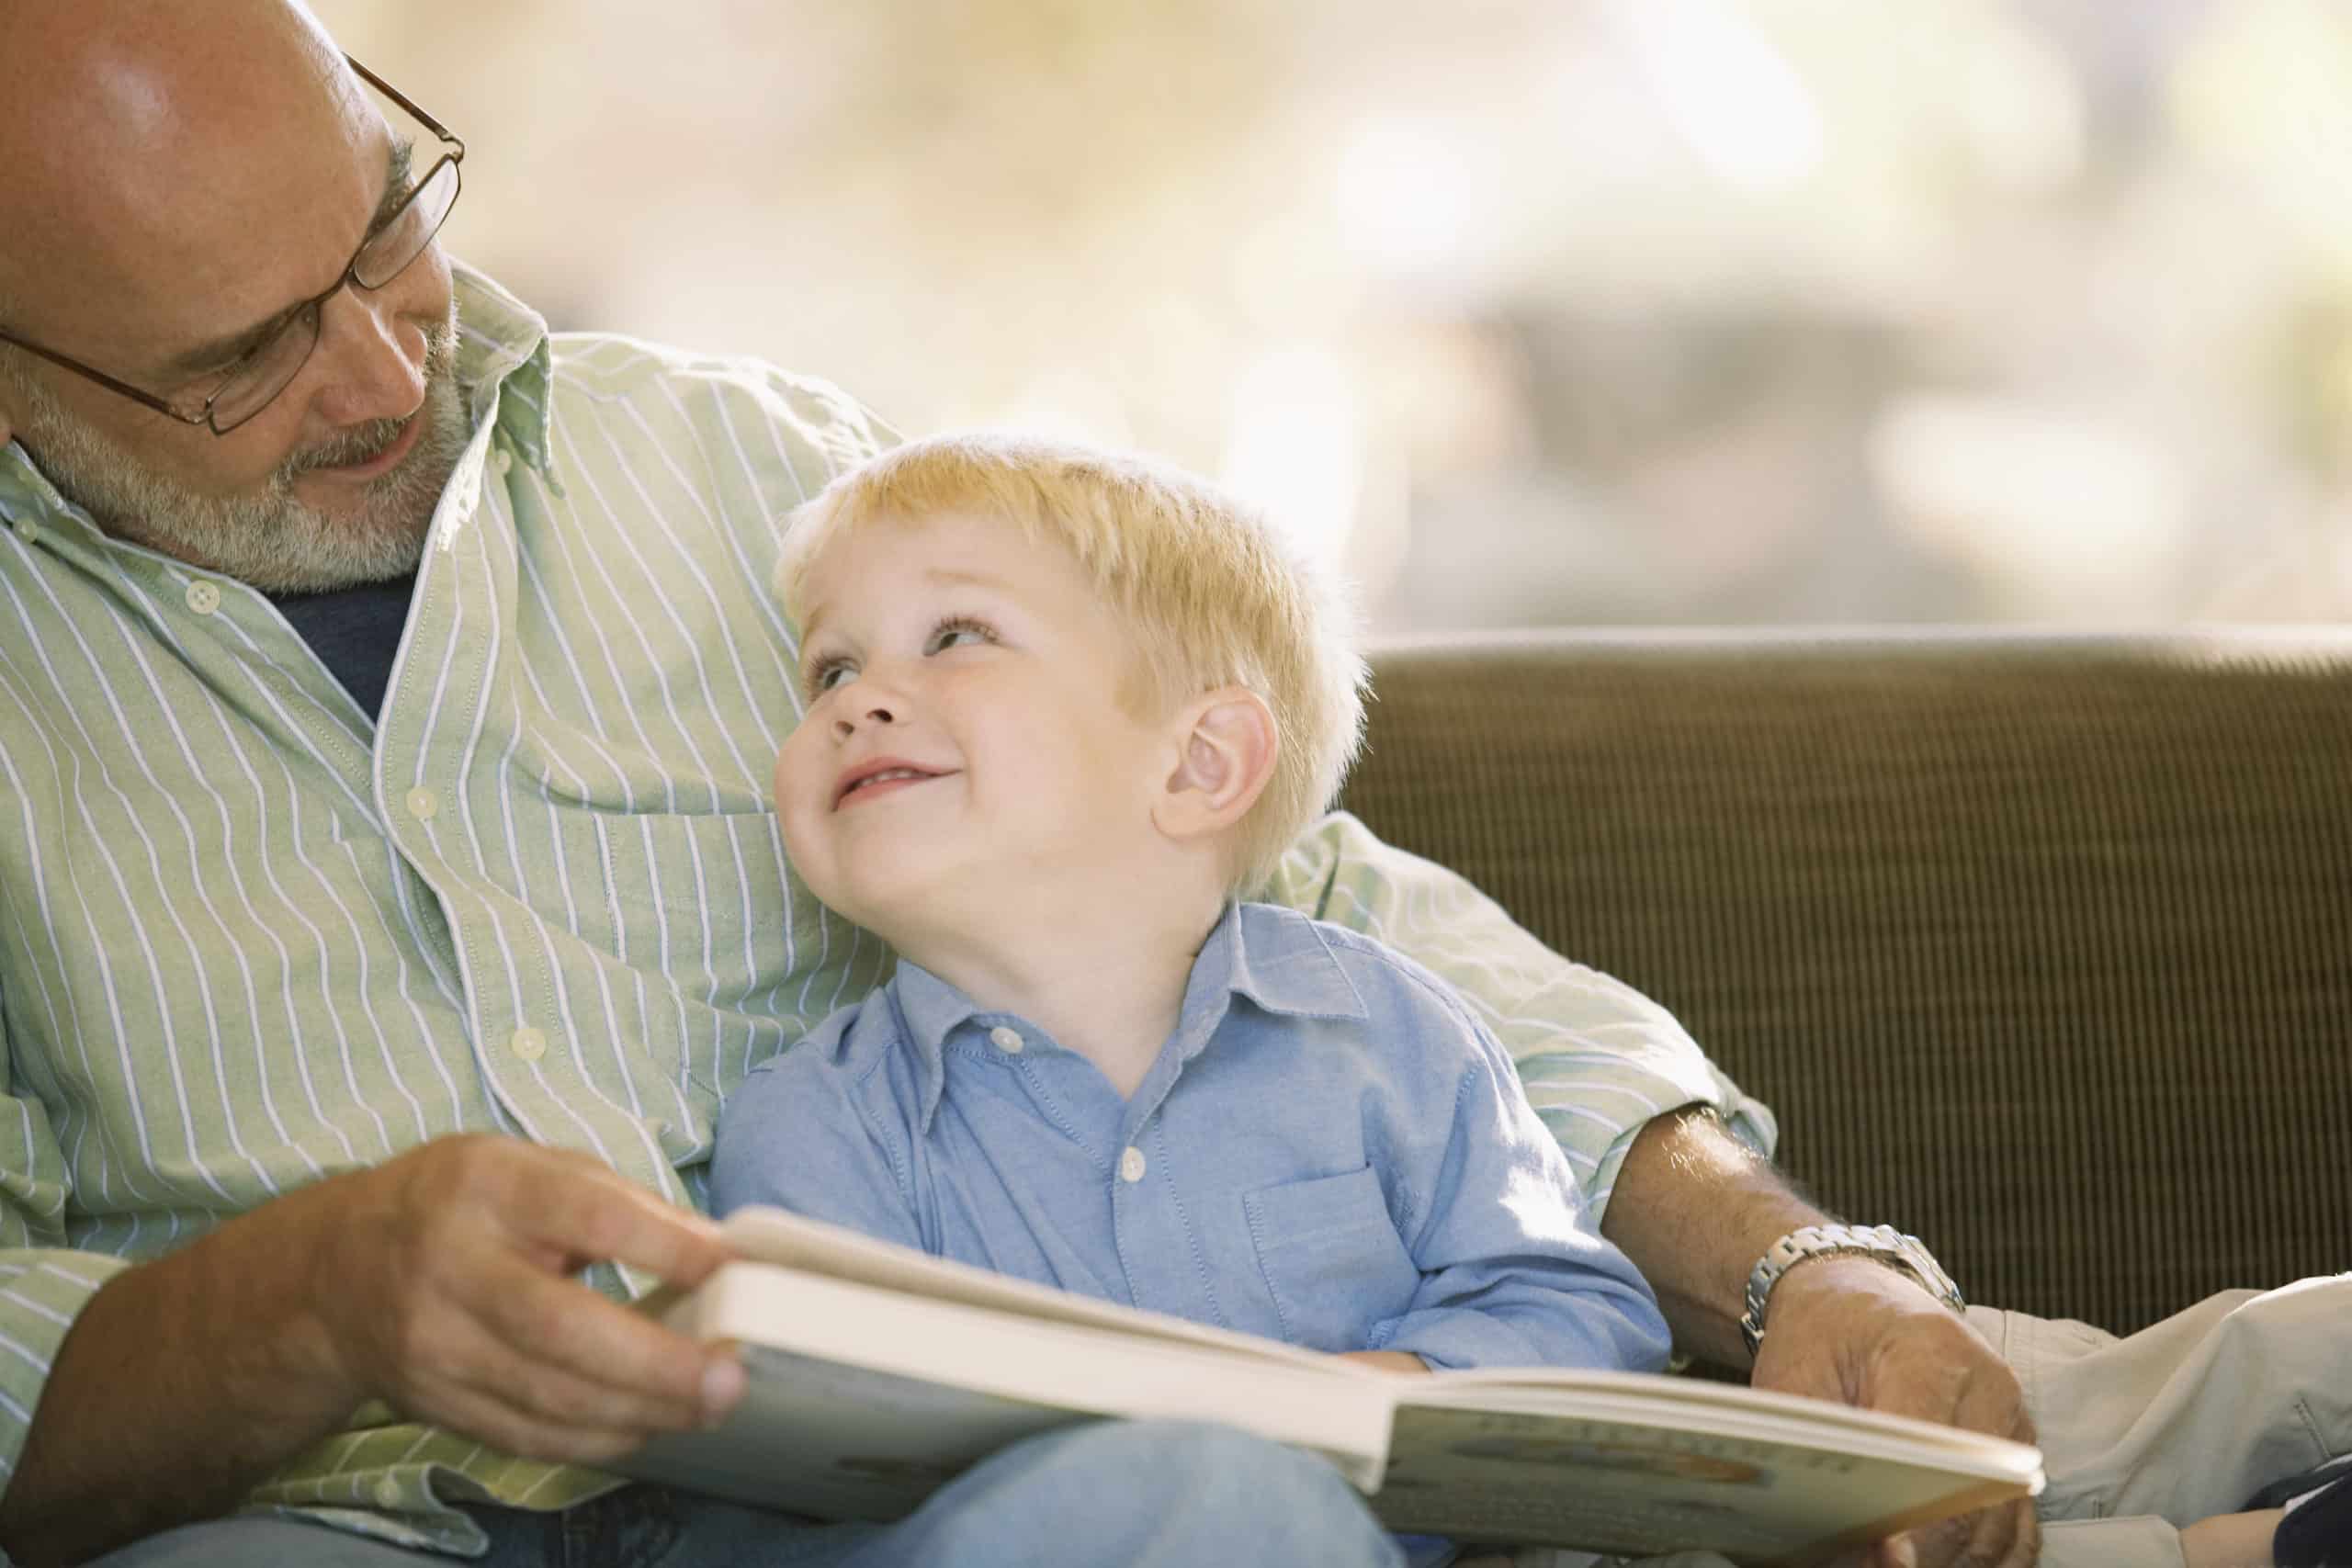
<point x="185" y="179"/>
<point x="123" y="123"/>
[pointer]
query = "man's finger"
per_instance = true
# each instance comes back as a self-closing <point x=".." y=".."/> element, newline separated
<point x="595" y="1215"/>
<point x="515" y="1431"/>
<point x="645" y="1375"/>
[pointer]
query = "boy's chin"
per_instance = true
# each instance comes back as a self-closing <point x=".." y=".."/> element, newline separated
<point x="896" y="912"/>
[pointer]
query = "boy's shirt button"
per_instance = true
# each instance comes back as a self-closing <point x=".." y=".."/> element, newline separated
<point x="1005" y="1038"/>
<point x="1131" y="1164"/>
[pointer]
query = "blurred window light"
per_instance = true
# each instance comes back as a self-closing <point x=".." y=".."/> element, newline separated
<point x="1412" y="201"/>
<point x="2020" y="110"/>
<point x="1066" y="404"/>
<point x="2081" y="514"/>
<point x="1727" y="90"/>
<point x="2266" y="90"/>
<point x="1295" y="445"/>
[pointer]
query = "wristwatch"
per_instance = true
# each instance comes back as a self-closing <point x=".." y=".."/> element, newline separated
<point x="1884" y="1243"/>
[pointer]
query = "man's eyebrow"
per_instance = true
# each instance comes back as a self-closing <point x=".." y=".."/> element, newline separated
<point x="222" y="351"/>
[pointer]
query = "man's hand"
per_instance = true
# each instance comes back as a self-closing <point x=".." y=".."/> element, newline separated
<point x="443" y="1289"/>
<point x="1847" y="1329"/>
<point x="437" y="1282"/>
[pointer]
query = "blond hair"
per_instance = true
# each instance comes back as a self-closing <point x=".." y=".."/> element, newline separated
<point x="1215" y="595"/>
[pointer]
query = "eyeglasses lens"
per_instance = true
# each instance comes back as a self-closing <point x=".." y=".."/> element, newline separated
<point x="387" y="255"/>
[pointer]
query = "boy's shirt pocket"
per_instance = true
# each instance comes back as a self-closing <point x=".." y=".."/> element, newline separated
<point x="1330" y="1256"/>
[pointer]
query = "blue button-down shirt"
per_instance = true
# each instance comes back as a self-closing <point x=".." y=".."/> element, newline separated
<point x="1328" y="1150"/>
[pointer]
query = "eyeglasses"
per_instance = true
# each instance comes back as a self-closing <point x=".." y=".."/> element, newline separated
<point x="254" y="382"/>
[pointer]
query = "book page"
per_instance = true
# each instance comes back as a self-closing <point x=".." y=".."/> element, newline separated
<point x="1618" y="1485"/>
<point x="1711" y="1404"/>
<point x="821" y="1437"/>
<point x="1701" y="1405"/>
<point x="767" y="1234"/>
<point x="991" y="1366"/>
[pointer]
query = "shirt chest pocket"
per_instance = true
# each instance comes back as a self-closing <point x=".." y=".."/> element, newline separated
<point x="702" y="897"/>
<point x="1331" y="1257"/>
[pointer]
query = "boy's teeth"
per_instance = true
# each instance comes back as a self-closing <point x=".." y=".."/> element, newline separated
<point x="886" y="776"/>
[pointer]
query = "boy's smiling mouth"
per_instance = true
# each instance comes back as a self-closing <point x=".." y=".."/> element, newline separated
<point x="881" y="775"/>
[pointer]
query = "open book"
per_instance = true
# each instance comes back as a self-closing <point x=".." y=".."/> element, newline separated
<point x="880" y="1373"/>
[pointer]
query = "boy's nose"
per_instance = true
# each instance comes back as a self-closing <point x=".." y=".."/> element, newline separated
<point x="876" y="713"/>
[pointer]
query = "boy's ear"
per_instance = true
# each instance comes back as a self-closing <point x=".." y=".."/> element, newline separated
<point x="1225" y="746"/>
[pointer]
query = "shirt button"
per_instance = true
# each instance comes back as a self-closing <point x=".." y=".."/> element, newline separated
<point x="1131" y="1164"/>
<point x="387" y="1494"/>
<point x="203" y="597"/>
<point x="502" y="460"/>
<point x="423" y="803"/>
<point x="528" y="1043"/>
<point x="1005" y="1038"/>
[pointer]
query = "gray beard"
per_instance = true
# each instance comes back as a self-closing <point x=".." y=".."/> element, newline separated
<point x="271" y="540"/>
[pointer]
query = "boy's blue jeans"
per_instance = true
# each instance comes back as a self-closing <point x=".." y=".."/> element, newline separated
<point x="1154" y="1495"/>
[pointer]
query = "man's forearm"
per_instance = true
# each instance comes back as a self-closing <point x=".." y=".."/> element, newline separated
<point x="1694" y="1208"/>
<point x="182" y="1383"/>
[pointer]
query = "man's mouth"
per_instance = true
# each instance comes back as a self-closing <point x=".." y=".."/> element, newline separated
<point x="365" y="464"/>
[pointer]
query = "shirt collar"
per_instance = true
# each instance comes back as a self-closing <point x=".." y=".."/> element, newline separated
<point x="25" y="495"/>
<point x="1277" y="959"/>
<point x="503" y="358"/>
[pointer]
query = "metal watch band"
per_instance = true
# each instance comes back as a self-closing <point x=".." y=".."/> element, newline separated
<point x="1884" y="1243"/>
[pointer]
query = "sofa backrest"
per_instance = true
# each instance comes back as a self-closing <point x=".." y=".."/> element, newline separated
<point x="2040" y="947"/>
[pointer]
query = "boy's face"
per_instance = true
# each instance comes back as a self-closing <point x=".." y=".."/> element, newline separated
<point x="965" y="749"/>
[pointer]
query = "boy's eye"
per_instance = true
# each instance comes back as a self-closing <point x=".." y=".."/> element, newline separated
<point x="956" y="631"/>
<point x="827" y="674"/>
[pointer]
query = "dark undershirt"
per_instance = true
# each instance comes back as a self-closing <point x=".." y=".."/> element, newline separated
<point x="355" y="632"/>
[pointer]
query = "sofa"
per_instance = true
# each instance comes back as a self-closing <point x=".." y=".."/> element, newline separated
<point x="2041" y="946"/>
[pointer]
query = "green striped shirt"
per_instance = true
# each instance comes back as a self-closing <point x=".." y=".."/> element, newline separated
<point x="254" y="937"/>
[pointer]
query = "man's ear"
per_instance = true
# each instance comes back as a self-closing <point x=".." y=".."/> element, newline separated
<point x="1225" y="746"/>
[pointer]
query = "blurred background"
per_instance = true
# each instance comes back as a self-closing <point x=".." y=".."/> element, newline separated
<point x="1530" y="311"/>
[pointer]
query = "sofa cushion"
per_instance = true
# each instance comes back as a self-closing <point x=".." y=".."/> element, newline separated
<point x="2040" y="947"/>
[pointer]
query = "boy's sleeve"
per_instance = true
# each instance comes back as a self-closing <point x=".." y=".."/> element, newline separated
<point x="1596" y="1058"/>
<point x="795" y="1137"/>
<point x="1512" y="1274"/>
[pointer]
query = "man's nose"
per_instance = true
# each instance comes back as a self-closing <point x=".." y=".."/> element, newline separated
<point x="373" y="359"/>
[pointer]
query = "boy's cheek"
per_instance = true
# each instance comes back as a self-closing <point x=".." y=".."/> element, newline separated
<point x="792" y="764"/>
<point x="792" y="800"/>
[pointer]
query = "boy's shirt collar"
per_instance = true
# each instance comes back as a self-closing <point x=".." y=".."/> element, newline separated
<point x="1274" y="957"/>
